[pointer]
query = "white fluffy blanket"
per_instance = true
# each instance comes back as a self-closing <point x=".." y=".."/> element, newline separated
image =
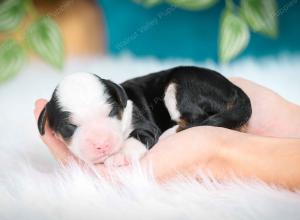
<point x="32" y="186"/>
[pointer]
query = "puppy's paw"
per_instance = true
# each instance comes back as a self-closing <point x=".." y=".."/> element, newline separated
<point x="168" y="132"/>
<point x="134" y="149"/>
<point x="117" y="160"/>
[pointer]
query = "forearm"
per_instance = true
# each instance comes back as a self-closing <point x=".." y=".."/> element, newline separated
<point x="295" y="119"/>
<point x="273" y="160"/>
<point x="223" y="152"/>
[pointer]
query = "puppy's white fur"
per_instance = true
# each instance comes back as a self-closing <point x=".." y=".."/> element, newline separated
<point x="83" y="95"/>
<point x="127" y="119"/>
<point x="171" y="102"/>
<point x="134" y="149"/>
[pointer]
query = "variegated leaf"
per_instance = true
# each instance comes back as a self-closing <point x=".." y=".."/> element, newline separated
<point x="261" y="16"/>
<point x="193" y="4"/>
<point x="11" y="13"/>
<point x="12" y="58"/>
<point x="234" y="36"/>
<point x="148" y="3"/>
<point x="44" y="37"/>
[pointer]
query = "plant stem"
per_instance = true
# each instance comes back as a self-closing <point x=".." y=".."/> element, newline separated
<point x="32" y="10"/>
<point x="229" y="5"/>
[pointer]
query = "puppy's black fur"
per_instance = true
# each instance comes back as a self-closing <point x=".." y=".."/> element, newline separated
<point x="58" y="119"/>
<point x="204" y="97"/>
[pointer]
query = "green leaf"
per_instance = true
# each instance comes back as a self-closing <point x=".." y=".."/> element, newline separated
<point x="193" y="4"/>
<point x="148" y="3"/>
<point x="12" y="58"/>
<point x="234" y="36"/>
<point x="261" y="16"/>
<point x="11" y="13"/>
<point x="44" y="37"/>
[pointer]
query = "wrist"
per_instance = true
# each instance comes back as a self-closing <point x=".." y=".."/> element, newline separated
<point x="295" y="119"/>
<point x="221" y="161"/>
<point x="234" y="152"/>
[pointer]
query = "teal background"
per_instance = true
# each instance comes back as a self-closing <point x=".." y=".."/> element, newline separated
<point x="167" y="32"/>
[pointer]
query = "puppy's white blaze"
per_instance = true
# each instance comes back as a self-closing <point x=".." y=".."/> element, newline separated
<point x="171" y="102"/>
<point x="74" y="146"/>
<point x="127" y="119"/>
<point x="83" y="94"/>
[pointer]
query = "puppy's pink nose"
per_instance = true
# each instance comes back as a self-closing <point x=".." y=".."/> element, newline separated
<point x="99" y="144"/>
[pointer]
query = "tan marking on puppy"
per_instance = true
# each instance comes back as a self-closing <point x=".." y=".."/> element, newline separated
<point x="182" y="124"/>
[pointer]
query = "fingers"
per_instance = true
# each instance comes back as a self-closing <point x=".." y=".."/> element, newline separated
<point x="39" y="105"/>
<point x="57" y="147"/>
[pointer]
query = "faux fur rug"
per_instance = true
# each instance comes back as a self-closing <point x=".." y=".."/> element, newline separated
<point x="32" y="186"/>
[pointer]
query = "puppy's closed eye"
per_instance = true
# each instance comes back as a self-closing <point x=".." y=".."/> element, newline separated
<point x="67" y="130"/>
<point x="116" y="111"/>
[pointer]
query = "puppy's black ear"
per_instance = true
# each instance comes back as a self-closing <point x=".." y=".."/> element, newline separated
<point x="118" y="92"/>
<point x="42" y="121"/>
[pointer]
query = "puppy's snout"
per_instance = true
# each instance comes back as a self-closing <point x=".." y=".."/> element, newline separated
<point x="96" y="140"/>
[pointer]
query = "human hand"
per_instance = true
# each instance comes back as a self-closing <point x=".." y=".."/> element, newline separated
<point x="271" y="114"/>
<point x="187" y="152"/>
<point x="58" y="148"/>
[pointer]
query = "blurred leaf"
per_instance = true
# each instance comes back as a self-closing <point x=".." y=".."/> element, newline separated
<point x="261" y="16"/>
<point x="148" y="3"/>
<point x="12" y="58"/>
<point x="193" y="4"/>
<point x="44" y="37"/>
<point x="234" y="36"/>
<point x="11" y="13"/>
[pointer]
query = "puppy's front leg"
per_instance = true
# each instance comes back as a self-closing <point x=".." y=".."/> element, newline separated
<point x="132" y="150"/>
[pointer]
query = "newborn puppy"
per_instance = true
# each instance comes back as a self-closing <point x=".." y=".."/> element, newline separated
<point x="101" y="121"/>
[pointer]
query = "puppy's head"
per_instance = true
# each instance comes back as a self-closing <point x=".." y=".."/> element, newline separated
<point x="90" y="114"/>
